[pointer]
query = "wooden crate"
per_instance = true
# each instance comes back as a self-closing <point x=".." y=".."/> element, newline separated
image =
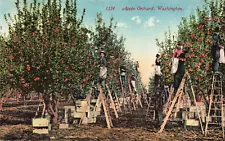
<point x="189" y="115"/>
<point x="40" y="131"/>
<point x="94" y="101"/>
<point x="192" y="122"/>
<point x="40" y="125"/>
<point x="88" y="120"/>
<point x="81" y="103"/>
<point x="92" y="120"/>
<point x="40" y="122"/>
<point x="77" y="115"/>
<point x="81" y="109"/>
<point x="93" y="114"/>
<point x="85" y="120"/>
<point x="63" y="126"/>
<point x="194" y="109"/>
<point x="72" y="108"/>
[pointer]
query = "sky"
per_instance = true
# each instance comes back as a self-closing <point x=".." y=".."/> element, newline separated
<point x="141" y="28"/>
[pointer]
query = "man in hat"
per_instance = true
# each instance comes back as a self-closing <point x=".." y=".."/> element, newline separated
<point x="157" y="89"/>
<point x="158" y="72"/>
<point x="132" y="81"/>
<point x="103" y="69"/>
<point x="215" y="50"/>
<point x="123" y="75"/>
<point x="180" y="54"/>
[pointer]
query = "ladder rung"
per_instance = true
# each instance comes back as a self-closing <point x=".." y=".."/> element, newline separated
<point x="216" y="95"/>
<point x="215" y="116"/>
<point x="214" y="123"/>
<point x="219" y="102"/>
<point x="219" y="87"/>
<point x="213" y="130"/>
<point x="217" y="109"/>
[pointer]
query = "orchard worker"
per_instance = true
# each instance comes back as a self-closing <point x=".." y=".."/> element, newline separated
<point x="158" y="89"/>
<point x="103" y="69"/>
<point x="179" y="54"/>
<point x="132" y="81"/>
<point x="123" y="75"/>
<point x="215" y="51"/>
<point x="158" y="72"/>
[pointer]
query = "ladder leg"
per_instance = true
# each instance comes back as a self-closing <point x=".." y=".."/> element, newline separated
<point x="222" y="113"/>
<point x="210" y="105"/>
<point x="107" y="115"/>
<point x="168" y="114"/>
<point x="178" y="105"/>
<point x="222" y="107"/>
<point x="199" y="117"/>
<point x="112" y="102"/>
<point x="139" y="100"/>
<point x="208" y="116"/>
<point x="173" y="103"/>
<point x="118" y="103"/>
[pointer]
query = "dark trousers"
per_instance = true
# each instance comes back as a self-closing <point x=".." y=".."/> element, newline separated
<point x="157" y="80"/>
<point x="216" y="57"/>
<point x="178" y="75"/>
<point x="123" y="79"/>
<point x="215" y="65"/>
<point x="101" y="81"/>
<point x="158" y="99"/>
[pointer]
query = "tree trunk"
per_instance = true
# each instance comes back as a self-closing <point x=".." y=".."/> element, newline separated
<point x="18" y="95"/>
<point x="1" y="103"/>
<point x="24" y="100"/>
<point x="31" y="97"/>
<point x="55" y="103"/>
<point x="2" y="100"/>
<point x="39" y="96"/>
<point x="51" y="107"/>
<point x="6" y="96"/>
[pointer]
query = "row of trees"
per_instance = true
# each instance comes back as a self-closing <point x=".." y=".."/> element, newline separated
<point x="49" y="51"/>
<point x="196" y="35"/>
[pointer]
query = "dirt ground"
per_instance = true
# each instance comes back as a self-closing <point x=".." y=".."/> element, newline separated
<point x="15" y="124"/>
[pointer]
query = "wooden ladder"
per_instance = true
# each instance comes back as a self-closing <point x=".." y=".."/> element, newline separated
<point x="112" y="101"/>
<point x="169" y="100"/>
<point x="142" y="94"/>
<point x="123" y="95"/>
<point x="178" y="98"/>
<point x="215" y="112"/>
<point x="106" y="109"/>
<point x="132" y="96"/>
<point x="150" y="108"/>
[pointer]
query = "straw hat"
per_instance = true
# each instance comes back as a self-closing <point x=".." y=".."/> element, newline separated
<point x="102" y="52"/>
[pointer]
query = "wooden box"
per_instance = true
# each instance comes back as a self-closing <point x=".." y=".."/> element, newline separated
<point x="85" y="120"/>
<point x="88" y="120"/>
<point x="40" y="125"/>
<point x="81" y="103"/>
<point x="192" y="122"/>
<point x="72" y="108"/>
<point x="63" y="126"/>
<point x="93" y="114"/>
<point x="189" y="115"/>
<point x="78" y="114"/>
<point x="80" y="109"/>
<point x="94" y="101"/>
<point x="92" y="120"/>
